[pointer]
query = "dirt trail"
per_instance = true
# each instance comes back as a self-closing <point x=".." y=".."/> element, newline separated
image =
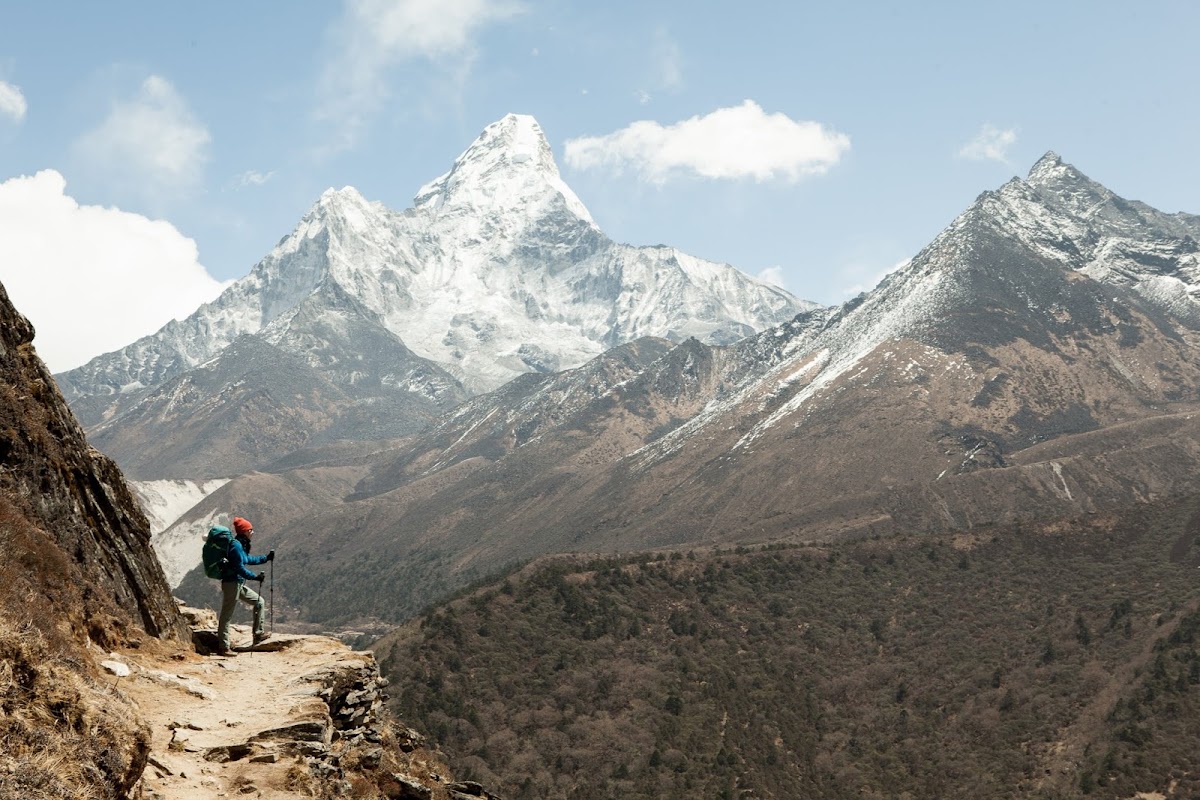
<point x="263" y="706"/>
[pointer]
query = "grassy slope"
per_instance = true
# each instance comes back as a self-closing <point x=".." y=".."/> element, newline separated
<point x="1050" y="662"/>
<point x="64" y="732"/>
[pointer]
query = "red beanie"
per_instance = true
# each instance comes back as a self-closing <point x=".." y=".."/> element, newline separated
<point x="242" y="525"/>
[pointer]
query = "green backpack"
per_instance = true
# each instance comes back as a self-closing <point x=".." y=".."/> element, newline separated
<point x="216" y="551"/>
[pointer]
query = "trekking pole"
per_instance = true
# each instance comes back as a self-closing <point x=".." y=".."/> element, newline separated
<point x="250" y="649"/>
<point x="254" y="637"/>
<point x="272" y="597"/>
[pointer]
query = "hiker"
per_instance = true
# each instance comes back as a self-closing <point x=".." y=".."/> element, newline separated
<point x="234" y="575"/>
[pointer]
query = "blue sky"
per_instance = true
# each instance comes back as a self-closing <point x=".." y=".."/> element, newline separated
<point x="169" y="146"/>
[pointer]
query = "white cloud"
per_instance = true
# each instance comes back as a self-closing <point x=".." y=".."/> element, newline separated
<point x="92" y="279"/>
<point x="643" y="97"/>
<point x="151" y="145"/>
<point x="990" y="144"/>
<point x="252" y="177"/>
<point x="374" y="36"/>
<point x="668" y="61"/>
<point x="738" y="142"/>
<point x="12" y="102"/>
<point x="772" y="275"/>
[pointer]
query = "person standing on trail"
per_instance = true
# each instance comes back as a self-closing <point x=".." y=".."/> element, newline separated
<point x="233" y="584"/>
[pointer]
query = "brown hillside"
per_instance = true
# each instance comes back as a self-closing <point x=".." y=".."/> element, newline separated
<point x="1048" y="661"/>
<point x="78" y="575"/>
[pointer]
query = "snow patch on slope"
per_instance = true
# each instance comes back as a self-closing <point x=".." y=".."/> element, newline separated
<point x="178" y="547"/>
<point x="165" y="502"/>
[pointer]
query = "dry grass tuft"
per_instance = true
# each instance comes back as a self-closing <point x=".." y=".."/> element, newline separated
<point x="300" y="780"/>
<point x="63" y="732"/>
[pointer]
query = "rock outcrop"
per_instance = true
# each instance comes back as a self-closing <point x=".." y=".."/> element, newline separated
<point x="77" y="573"/>
<point x="295" y="716"/>
<point x="56" y="481"/>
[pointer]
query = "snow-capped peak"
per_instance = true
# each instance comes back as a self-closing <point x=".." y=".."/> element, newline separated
<point x="1047" y="164"/>
<point x="509" y="165"/>
<point x="348" y="206"/>
<point x="499" y="269"/>
<point x="1052" y="173"/>
<point x="346" y="195"/>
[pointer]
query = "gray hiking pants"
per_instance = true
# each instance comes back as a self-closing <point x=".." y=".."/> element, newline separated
<point x="231" y="592"/>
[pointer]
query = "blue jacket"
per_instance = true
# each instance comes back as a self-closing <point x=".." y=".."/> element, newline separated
<point x="236" y="570"/>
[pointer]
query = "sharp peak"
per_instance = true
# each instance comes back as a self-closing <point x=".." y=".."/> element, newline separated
<point x="340" y="202"/>
<point x="513" y="120"/>
<point x="514" y="138"/>
<point x="1049" y="159"/>
<point x="1049" y="164"/>
<point x="344" y="206"/>
<point x="1051" y="169"/>
<point x="511" y="151"/>
<point x="515" y="123"/>
<point x="332" y="195"/>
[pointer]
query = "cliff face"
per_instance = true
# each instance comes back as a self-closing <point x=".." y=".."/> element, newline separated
<point x="52" y="479"/>
<point x="76" y="573"/>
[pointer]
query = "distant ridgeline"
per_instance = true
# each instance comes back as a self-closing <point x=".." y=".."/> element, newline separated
<point x="1035" y="361"/>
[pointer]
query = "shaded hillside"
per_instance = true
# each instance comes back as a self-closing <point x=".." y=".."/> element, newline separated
<point x="77" y="568"/>
<point x="1048" y="661"/>
<point x="71" y="493"/>
<point x="326" y="371"/>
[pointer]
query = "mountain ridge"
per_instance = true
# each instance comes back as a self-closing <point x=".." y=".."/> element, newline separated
<point x="496" y="271"/>
<point x="497" y="254"/>
<point x="927" y="404"/>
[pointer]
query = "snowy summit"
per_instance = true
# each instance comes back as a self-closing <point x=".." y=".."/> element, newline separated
<point x="497" y="269"/>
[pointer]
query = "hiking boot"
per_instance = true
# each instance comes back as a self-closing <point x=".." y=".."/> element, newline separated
<point x="261" y="637"/>
<point x="225" y="651"/>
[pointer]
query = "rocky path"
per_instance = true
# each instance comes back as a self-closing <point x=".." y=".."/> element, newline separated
<point x="292" y="718"/>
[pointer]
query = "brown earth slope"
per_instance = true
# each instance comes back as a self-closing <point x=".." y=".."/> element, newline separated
<point x="77" y="574"/>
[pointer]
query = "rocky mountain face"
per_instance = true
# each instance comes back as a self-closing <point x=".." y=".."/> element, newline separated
<point x="71" y="498"/>
<point x="77" y="573"/>
<point x="496" y="271"/>
<point x="1036" y="360"/>
<point x="326" y="372"/>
